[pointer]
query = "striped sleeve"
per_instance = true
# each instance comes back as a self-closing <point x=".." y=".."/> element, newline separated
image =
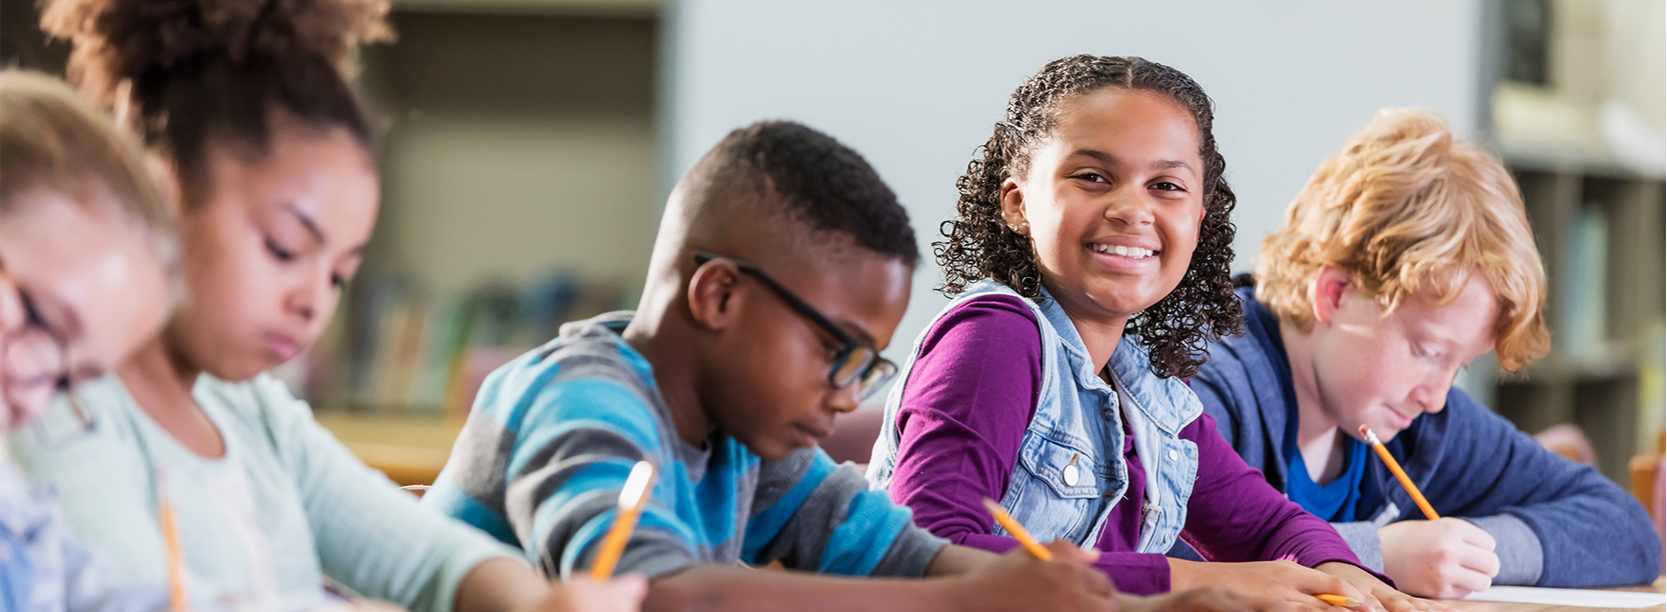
<point x="814" y="515"/>
<point x="578" y="438"/>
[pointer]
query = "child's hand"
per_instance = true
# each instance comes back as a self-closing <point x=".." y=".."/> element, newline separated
<point x="1020" y="581"/>
<point x="1199" y="600"/>
<point x="1378" y="594"/>
<point x="582" y="594"/>
<point x="1281" y="581"/>
<point x="1446" y="558"/>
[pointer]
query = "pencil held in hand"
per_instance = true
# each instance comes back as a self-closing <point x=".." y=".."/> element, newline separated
<point x="1336" y="600"/>
<point x="1401" y="475"/>
<point x="632" y="498"/>
<point x="1339" y="600"/>
<point x="1018" y="531"/>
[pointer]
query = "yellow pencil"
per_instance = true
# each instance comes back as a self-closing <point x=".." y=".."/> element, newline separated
<point x="1018" y="531"/>
<point x="1336" y="600"/>
<point x="1339" y="600"/>
<point x="1401" y="475"/>
<point x="632" y="498"/>
<point x="170" y="540"/>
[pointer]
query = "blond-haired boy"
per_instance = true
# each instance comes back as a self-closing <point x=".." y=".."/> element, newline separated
<point x="1405" y="257"/>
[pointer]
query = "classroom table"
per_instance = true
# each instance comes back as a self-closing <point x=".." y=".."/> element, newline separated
<point x="1493" y="606"/>
<point x="410" y="450"/>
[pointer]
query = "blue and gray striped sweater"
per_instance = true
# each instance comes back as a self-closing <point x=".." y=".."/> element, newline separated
<point x="554" y="434"/>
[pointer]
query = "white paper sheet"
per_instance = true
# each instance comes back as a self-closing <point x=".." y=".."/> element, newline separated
<point x="1585" y="598"/>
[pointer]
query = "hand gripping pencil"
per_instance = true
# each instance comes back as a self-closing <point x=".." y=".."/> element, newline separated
<point x="632" y="498"/>
<point x="1018" y="531"/>
<point x="1401" y="475"/>
<point x="1339" y="600"/>
<point x="1336" y="600"/>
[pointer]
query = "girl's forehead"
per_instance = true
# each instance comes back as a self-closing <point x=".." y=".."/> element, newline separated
<point x="1127" y="126"/>
<point x="1113" y="104"/>
<point x="318" y="184"/>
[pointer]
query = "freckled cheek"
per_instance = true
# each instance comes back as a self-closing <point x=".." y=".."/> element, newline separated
<point x="1355" y="364"/>
<point x="1390" y="377"/>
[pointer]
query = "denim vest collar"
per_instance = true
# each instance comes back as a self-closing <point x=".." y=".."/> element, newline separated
<point x="1159" y="399"/>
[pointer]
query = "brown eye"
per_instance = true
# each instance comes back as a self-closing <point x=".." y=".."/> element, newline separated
<point x="279" y="252"/>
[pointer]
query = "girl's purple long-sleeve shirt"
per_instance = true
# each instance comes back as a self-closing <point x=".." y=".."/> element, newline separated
<point x="968" y="401"/>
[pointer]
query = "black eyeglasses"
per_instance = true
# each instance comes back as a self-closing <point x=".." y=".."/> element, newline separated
<point x="33" y="343"/>
<point x="857" y="362"/>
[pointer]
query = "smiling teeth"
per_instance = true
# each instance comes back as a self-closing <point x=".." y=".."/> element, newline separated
<point x="1125" y="251"/>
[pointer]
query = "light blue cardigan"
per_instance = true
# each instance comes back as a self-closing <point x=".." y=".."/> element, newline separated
<point x="286" y="505"/>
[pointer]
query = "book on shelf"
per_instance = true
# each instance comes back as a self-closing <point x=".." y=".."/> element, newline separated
<point x="1652" y="384"/>
<point x="1585" y="290"/>
<point x="400" y="349"/>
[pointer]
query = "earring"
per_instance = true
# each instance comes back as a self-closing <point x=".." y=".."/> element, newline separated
<point x="1021" y="228"/>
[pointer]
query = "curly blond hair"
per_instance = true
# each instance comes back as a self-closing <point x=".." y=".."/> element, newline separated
<point x="1407" y="210"/>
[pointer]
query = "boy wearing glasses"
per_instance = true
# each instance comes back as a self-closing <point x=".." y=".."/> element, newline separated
<point x="781" y="268"/>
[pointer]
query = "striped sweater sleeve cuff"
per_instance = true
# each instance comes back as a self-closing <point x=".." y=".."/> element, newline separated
<point x="910" y="554"/>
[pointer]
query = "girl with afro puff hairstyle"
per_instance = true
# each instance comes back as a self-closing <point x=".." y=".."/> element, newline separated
<point x="249" y="107"/>
<point x="1088" y="264"/>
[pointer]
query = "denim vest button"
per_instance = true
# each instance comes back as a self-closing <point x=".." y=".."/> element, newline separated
<point x="1174" y="456"/>
<point x="1070" y="475"/>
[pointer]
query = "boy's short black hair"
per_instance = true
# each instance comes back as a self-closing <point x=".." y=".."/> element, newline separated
<point x="815" y="180"/>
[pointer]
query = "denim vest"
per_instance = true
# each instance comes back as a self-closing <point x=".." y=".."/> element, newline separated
<point x="1070" y="470"/>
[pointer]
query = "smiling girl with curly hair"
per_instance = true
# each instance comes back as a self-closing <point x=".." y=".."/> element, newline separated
<point x="1089" y="266"/>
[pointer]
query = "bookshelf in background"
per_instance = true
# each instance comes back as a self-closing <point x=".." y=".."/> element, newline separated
<point x="513" y="201"/>
<point x="397" y="350"/>
<point x="1574" y="107"/>
<point x="1600" y="231"/>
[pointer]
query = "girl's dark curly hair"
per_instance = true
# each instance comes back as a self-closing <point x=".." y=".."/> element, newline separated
<point x="188" y="72"/>
<point x="979" y="244"/>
